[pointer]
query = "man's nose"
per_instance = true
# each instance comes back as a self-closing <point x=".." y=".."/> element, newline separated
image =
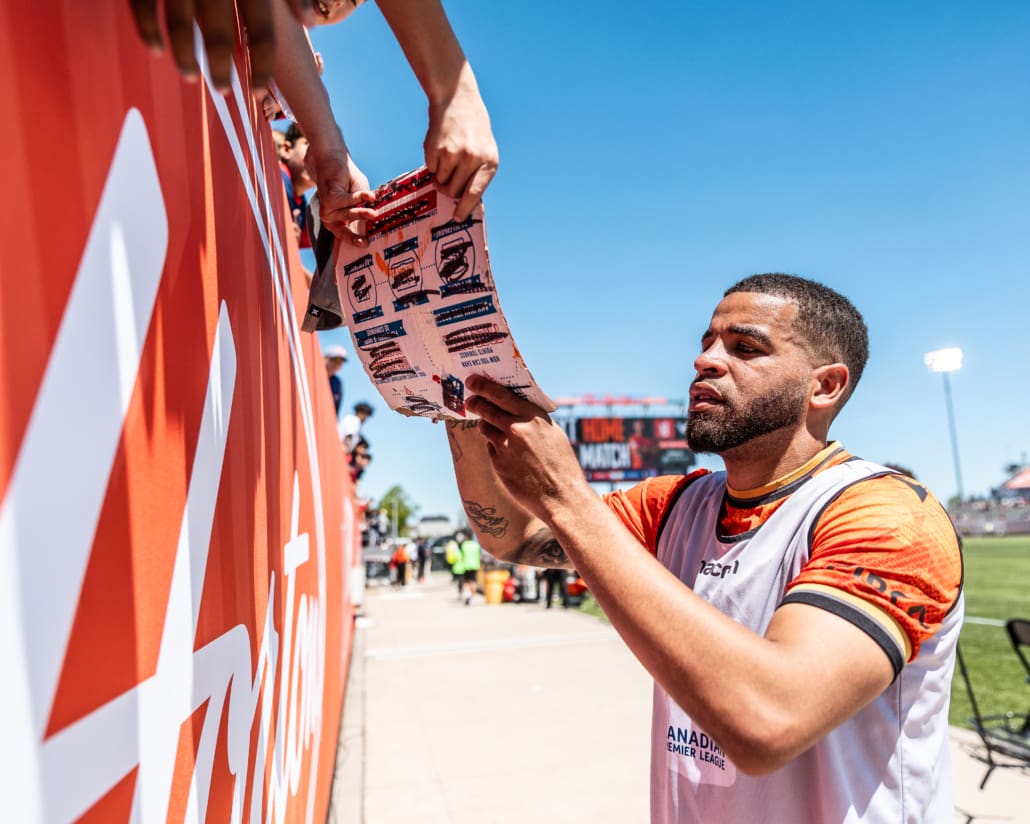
<point x="711" y="361"/>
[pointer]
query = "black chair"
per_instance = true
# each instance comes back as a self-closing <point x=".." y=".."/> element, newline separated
<point x="1019" y="634"/>
<point x="1004" y="734"/>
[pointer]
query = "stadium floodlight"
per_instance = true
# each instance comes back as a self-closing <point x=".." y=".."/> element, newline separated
<point x="945" y="361"/>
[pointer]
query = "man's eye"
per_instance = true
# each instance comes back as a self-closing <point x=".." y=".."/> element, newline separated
<point x="746" y="349"/>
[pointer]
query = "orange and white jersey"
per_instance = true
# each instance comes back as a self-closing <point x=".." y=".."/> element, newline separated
<point x="839" y="534"/>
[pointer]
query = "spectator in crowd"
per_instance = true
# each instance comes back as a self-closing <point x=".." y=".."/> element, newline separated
<point x="350" y="425"/>
<point x="399" y="563"/>
<point x="799" y="611"/>
<point x="470" y="562"/>
<point x="360" y="458"/>
<point x="457" y="561"/>
<point x="422" y="554"/>
<point x="297" y="180"/>
<point x="378" y="524"/>
<point x="279" y="139"/>
<point x="451" y="554"/>
<point x="335" y="358"/>
<point x="554" y="578"/>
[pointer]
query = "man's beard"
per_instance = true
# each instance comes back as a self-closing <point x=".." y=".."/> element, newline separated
<point x="734" y="424"/>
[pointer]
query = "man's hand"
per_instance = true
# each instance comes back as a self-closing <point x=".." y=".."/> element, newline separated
<point x="270" y="108"/>
<point x="342" y="191"/>
<point x="460" y="149"/>
<point x="529" y="452"/>
<point x="218" y="23"/>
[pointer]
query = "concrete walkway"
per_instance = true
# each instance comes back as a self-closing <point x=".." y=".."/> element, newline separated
<point x="514" y="713"/>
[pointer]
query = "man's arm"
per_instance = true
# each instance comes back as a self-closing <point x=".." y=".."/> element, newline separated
<point x="460" y="147"/>
<point x="504" y="529"/>
<point x="765" y="699"/>
<point x="342" y="188"/>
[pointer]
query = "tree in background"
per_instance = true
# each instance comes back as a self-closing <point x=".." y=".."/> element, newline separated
<point x="396" y="505"/>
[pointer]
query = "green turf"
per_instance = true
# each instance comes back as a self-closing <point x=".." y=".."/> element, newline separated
<point x="591" y="607"/>
<point x="997" y="585"/>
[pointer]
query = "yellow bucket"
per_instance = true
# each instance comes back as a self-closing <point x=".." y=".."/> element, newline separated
<point x="493" y="585"/>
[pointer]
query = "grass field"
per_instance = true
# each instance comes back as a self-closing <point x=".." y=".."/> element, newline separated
<point x="997" y="585"/>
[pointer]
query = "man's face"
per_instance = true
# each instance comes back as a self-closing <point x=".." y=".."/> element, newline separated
<point x="754" y="374"/>
<point x="280" y="144"/>
<point x="295" y="154"/>
<point x="333" y="11"/>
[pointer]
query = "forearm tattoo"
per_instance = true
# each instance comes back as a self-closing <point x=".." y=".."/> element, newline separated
<point x="541" y="549"/>
<point x="456" y="451"/>
<point x="486" y="519"/>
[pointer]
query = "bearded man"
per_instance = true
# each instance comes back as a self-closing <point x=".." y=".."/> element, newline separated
<point x="799" y="611"/>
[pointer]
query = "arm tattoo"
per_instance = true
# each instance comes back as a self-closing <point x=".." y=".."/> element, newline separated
<point x="456" y="450"/>
<point x="542" y="549"/>
<point x="486" y="519"/>
<point x="462" y="424"/>
<point x="452" y="426"/>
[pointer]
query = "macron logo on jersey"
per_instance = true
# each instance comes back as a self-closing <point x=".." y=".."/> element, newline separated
<point x="718" y="570"/>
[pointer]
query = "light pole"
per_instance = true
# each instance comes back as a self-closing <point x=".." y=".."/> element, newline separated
<point x="945" y="361"/>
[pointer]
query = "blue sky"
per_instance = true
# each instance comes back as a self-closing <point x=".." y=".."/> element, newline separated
<point x="649" y="160"/>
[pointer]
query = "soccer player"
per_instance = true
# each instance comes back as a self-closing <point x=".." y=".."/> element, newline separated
<point x="799" y="611"/>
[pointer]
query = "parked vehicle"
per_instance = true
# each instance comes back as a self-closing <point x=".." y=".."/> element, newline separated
<point x="437" y="552"/>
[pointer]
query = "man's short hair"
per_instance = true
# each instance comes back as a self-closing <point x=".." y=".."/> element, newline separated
<point x="829" y="323"/>
<point x="361" y="406"/>
<point x="293" y="133"/>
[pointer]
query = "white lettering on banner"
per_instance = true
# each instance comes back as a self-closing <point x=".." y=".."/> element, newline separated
<point x="92" y="369"/>
<point x="43" y="559"/>
<point x="223" y="672"/>
<point x="142" y="727"/>
<point x="170" y="699"/>
<point x="265" y="224"/>
<point x="604" y="455"/>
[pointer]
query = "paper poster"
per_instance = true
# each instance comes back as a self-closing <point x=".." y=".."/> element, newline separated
<point x="421" y="304"/>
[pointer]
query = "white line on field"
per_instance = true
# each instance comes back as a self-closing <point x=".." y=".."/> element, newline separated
<point x="987" y="622"/>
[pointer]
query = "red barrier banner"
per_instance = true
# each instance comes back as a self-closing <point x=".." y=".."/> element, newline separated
<point x="176" y="524"/>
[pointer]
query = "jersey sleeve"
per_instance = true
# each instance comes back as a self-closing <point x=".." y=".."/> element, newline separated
<point x="886" y="557"/>
<point x="642" y="508"/>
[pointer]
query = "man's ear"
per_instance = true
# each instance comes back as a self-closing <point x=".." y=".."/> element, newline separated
<point x="830" y="384"/>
